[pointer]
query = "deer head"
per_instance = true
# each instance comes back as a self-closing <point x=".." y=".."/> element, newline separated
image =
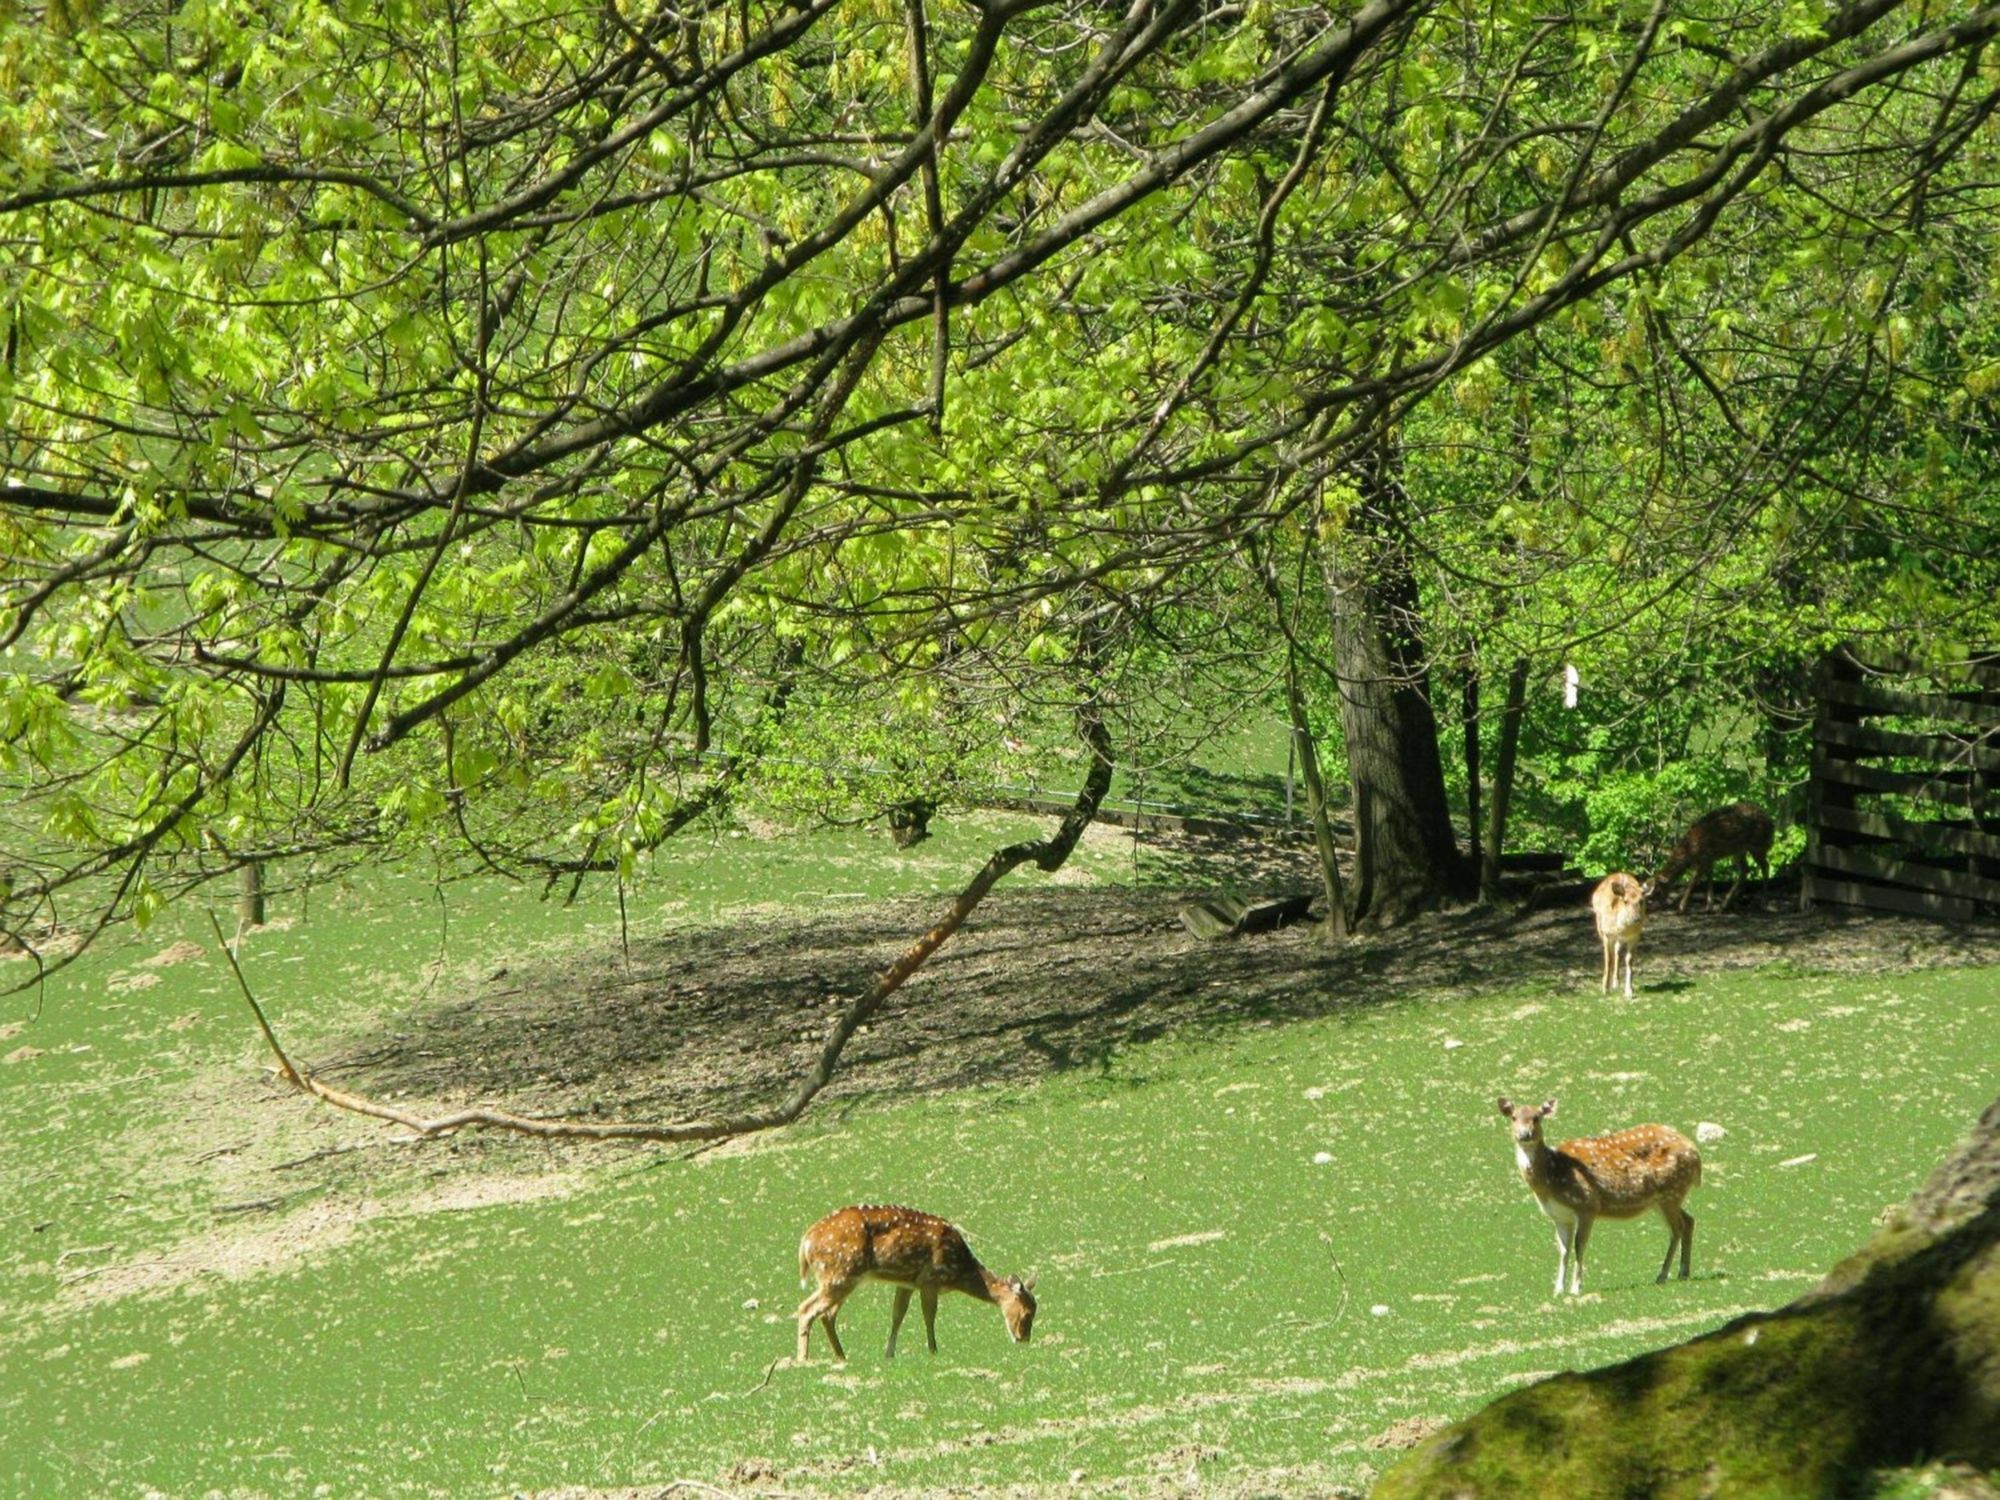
<point x="1527" y="1119"/>
<point x="1017" y="1305"/>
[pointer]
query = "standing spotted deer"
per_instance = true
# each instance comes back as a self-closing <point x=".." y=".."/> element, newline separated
<point x="917" y="1253"/>
<point x="1619" y="904"/>
<point x="1616" y="1176"/>
<point x="1742" y="829"/>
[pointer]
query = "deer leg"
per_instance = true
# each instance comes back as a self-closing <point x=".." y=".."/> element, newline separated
<point x="1610" y="964"/>
<point x="1564" y="1234"/>
<point x="824" y="1305"/>
<point x="1576" y="1256"/>
<point x="1673" y="1218"/>
<point x="1687" y="1241"/>
<point x="808" y="1310"/>
<point x="1687" y="893"/>
<point x="1736" y="886"/>
<point x="930" y="1317"/>
<point x="896" y="1318"/>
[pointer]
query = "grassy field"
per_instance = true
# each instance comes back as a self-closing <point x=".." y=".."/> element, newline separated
<point x="1258" y="1250"/>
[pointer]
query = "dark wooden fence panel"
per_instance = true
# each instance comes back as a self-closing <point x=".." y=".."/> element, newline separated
<point x="1904" y="815"/>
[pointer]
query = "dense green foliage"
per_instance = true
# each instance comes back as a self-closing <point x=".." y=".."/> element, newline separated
<point x="510" y="428"/>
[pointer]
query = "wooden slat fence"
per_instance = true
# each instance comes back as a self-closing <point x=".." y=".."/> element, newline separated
<point x="1903" y="809"/>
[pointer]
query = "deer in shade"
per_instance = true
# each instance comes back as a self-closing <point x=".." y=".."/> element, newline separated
<point x="1616" y="1176"/>
<point x="1619" y="904"/>
<point x="1742" y="829"/>
<point x="918" y="1254"/>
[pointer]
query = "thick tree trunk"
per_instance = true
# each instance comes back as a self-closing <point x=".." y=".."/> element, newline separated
<point x="1409" y="857"/>
<point x="1503" y="779"/>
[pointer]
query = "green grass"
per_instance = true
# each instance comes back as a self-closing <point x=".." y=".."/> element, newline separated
<point x="1211" y="1292"/>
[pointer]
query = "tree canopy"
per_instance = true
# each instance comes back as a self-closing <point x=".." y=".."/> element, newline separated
<point x="502" y="423"/>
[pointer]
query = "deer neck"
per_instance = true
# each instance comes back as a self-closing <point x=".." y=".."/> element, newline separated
<point x="1534" y="1160"/>
<point x="983" y="1284"/>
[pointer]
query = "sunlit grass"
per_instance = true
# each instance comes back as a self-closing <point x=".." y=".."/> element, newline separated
<point x="1257" y="1250"/>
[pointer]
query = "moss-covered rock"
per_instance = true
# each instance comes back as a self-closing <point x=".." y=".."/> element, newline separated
<point x="1893" y="1360"/>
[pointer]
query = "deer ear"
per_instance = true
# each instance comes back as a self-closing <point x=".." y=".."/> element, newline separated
<point x="1507" y="1108"/>
<point x="1029" y="1285"/>
<point x="1548" y="1107"/>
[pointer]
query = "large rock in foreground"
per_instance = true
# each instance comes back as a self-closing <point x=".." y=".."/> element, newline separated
<point x="1893" y="1360"/>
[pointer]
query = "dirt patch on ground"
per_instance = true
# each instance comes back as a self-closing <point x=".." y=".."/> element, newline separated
<point x="705" y="1022"/>
<point x="232" y="1251"/>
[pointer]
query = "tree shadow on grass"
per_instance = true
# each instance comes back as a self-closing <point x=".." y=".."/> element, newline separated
<point x="705" y="1021"/>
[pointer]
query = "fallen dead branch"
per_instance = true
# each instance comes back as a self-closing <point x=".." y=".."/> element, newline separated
<point x="1048" y="854"/>
<point x="248" y="1206"/>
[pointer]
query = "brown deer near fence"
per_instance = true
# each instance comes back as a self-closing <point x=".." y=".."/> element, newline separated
<point x="917" y="1253"/>
<point x="1743" y="829"/>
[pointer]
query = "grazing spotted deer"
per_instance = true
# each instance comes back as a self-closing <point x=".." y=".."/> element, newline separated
<point x="1619" y="904"/>
<point x="1742" y="829"/>
<point x="916" y="1253"/>
<point x="1616" y="1176"/>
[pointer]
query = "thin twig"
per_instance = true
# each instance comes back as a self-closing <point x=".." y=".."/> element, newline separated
<point x="773" y="1365"/>
<point x="290" y="1074"/>
<point x="1327" y="1240"/>
<point x="249" y="1205"/>
<point x="116" y="1265"/>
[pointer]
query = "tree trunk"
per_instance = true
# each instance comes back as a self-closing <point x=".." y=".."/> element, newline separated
<point x="1469" y="713"/>
<point x="1409" y="859"/>
<point x="250" y="897"/>
<point x="1308" y="759"/>
<point x="1503" y="779"/>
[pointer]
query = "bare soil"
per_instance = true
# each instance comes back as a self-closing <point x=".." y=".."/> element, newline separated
<point x="711" y="1021"/>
